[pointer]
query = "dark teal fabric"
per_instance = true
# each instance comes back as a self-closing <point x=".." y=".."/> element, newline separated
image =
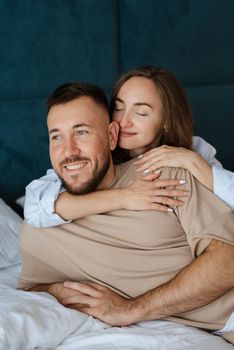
<point x="46" y="43"/>
<point x="23" y="145"/>
<point x="195" y="40"/>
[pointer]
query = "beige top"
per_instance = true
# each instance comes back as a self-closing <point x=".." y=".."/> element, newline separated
<point x="133" y="251"/>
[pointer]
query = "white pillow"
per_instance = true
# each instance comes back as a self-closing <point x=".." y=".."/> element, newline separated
<point x="10" y="225"/>
<point x="37" y="321"/>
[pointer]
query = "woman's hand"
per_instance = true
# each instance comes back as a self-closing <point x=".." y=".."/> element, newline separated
<point x="178" y="157"/>
<point x="163" y="156"/>
<point x="151" y="193"/>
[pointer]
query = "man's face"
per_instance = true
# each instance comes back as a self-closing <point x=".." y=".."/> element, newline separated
<point x="79" y="144"/>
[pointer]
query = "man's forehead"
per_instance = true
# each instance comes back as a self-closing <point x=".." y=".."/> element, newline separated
<point x="81" y="111"/>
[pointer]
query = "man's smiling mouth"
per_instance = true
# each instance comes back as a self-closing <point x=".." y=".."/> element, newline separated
<point x="76" y="166"/>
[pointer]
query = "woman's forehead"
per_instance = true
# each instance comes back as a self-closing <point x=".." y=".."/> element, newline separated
<point x="139" y="89"/>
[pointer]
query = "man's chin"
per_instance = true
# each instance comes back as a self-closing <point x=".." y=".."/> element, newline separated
<point x="85" y="182"/>
<point x="77" y="188"/>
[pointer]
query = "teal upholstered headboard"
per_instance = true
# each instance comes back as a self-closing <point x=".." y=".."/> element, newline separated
<point x="46" y="43"/>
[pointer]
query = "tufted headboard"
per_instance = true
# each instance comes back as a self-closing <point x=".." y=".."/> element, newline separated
<point x="44" y="44"/>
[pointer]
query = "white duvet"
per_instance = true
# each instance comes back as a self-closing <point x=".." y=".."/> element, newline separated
<point x="38" y="321"/>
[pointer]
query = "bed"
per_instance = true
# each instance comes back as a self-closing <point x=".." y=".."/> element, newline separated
<point x="37" y="321"/>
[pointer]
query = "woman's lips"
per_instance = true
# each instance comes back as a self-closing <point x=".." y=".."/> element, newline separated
<point x="127" y="134"/>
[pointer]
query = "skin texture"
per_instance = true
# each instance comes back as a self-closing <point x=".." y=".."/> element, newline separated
<point x="143" y="194"/>
<point x="199" y="283"/>
<point x="202" y="281"/>
<point x="179" y="157"/>
<point x="209" y="276"/>
<point x="138" y="111"/>
<point x="80" y="137"/>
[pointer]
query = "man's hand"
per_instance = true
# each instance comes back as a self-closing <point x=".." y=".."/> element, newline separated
<point x="206" y="278"/>
<point x="99" y="302"/>
<point x="57" y="290"/>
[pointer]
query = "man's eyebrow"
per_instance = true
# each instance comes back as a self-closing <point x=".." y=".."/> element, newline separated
<point x="81" y="125"/>
<point x="74" y="127"/>
<point x="135" y="104"/>
<point x="53" y="131"/>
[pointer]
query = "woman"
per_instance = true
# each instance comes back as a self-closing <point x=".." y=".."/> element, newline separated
<point x="155" y="123"/>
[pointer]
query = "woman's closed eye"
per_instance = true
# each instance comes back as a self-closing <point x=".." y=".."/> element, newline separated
<point x="143" y="114"/>
<point x="118" y="108"/>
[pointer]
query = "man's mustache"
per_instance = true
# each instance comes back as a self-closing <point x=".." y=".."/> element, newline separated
<point x="73" y="159"/>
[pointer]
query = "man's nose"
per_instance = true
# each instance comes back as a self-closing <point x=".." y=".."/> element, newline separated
<point x="71" y="147"/>
<point x="126" y="120"/>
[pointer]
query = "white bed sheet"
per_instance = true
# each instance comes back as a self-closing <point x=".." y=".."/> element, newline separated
<point x="37" y="321"/>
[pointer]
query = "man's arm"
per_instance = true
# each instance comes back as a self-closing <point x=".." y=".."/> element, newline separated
<point x="208" y="277"/>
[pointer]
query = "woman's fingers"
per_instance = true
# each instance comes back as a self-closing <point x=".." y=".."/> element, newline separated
<point x="160" y="207"/>
<point x="153" y="153"/>
<point x="149" y="165"/>
<point x="169" y="183"/>
<point x="163" y="200"/>
<point x="169" y="193"/>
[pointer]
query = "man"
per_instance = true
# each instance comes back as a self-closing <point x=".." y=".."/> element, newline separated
<point x="177" y="266"/>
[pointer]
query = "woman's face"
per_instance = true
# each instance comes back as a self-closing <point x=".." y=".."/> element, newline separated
<point x="138" y="111"/>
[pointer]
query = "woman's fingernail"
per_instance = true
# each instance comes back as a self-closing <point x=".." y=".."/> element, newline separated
<point x="182" y="182"/>
<point x="140" y="156"/>
<point x="146" y="171"/>
<point x="169" y="209"/>
<point x="157" y="171"/>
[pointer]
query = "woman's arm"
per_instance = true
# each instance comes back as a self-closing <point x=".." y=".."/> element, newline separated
<point x="178" y="157"/>
<point x="143" y="194"/>
<point x="47" y="204"/>
<point x="201" y="163"/>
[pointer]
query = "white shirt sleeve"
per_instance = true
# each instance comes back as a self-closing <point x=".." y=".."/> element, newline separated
<point x="40" y="197"/>
<point x="224" y="185"/>
<point x="223" y="179"/>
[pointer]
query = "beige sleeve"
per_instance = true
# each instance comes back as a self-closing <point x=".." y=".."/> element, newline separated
<point x="204" y="216"/>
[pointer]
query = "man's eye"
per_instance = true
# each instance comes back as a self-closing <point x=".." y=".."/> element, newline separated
<point x="56" y="138"/>
<point x="81" y="132"/>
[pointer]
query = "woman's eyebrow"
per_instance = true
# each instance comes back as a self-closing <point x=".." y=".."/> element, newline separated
<point x="135" y="104"/>
<point x="142" y="104"/>
<point x="119" y="100"/>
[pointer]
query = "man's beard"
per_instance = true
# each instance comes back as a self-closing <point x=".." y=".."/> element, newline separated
<point x="92" y="183"/>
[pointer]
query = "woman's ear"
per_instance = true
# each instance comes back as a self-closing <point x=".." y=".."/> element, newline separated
<point x="113" y="134"/>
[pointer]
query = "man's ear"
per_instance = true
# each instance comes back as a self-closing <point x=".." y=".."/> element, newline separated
<point x="113" y="130"/>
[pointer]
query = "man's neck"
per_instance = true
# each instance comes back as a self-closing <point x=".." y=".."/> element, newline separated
<point x="108" y="178"/>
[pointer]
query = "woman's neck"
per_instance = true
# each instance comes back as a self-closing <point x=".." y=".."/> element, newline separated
<point x="138" y="151"/>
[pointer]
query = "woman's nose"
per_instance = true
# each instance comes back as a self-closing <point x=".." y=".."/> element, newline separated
<point x="126" y="120"/>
